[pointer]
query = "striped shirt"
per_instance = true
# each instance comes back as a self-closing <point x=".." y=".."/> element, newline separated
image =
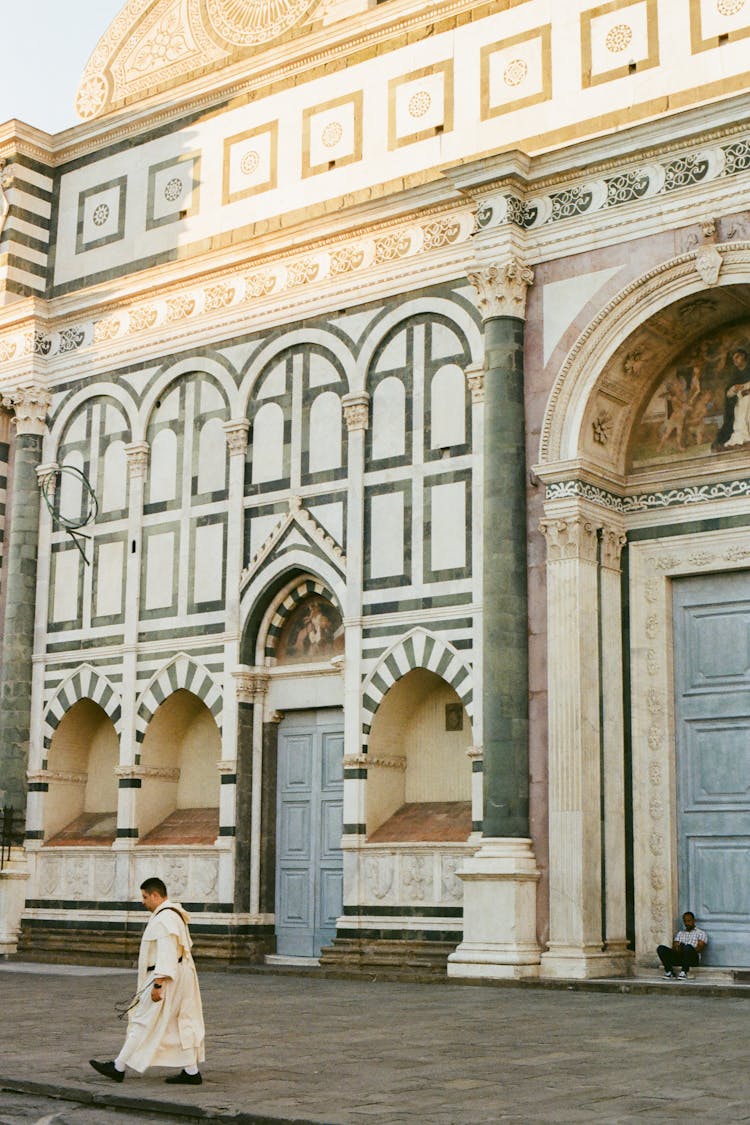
<point x="691" y="937"/>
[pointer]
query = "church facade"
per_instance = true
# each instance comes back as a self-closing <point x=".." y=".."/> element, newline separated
<point x="376" y="527"/>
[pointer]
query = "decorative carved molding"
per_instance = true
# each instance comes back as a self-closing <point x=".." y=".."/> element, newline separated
<point x="296" y="514"/>
<point x="572" y="538"/>
<point x="475" y="753"/>
<point x="228" y="766"/>
<point x="150" y="773"/>
<point x="502" y="289"/>
<point x="356" y="411"/>
<point x="29" y="405"/>
<point x="475" y="380"/>
<point x="354" y="761"/>
<point x="708" y="260"/>
<point x="67" y="777"/>
<point x="236" y="432"/>
<point x="137" y="454"/>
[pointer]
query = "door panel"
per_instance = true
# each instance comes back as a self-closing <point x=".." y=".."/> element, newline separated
<point x="712" y="713"/>
<point x="310" y="823"/>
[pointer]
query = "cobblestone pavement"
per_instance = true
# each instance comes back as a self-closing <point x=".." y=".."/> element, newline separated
<point x="350" y="1052"/>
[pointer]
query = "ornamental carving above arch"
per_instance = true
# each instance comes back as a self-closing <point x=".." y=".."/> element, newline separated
<point x="154" y="45"/>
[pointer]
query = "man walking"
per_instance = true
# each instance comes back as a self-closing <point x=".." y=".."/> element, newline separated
<point x="688" y="944"/>
<point x="165" y="1026"/>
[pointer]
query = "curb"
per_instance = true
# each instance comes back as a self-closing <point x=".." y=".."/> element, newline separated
<point x="83" y="1095"/>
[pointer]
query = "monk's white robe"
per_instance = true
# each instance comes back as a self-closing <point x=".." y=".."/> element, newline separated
<point x="168" y="1032"/>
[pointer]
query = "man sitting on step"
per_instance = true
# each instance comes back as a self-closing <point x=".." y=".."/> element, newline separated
<point x="688" y="944"/>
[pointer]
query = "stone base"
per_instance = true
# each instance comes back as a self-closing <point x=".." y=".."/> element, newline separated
<point x="394" y="958"/>
<point x="45" y="940"/>
<point x="499" y="913"/>
<point x="12" y="900"/>
<point x="586" y="964"/>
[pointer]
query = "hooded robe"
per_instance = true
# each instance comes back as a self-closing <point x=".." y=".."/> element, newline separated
<point x="168" y="1032"/>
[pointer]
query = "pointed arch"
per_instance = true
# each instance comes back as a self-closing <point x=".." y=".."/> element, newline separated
<point x="84" y="683"/>
<point x="180" y="672"/>
<point x="418" y="649"/>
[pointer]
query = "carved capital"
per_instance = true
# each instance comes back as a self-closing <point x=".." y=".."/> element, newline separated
<point x="475" y="379"/>
<point x="356" y="411"/>
<point x="236" y="431"/>
<point x="228" y="766"/>
<point x="137" y="455"/>
<point x="475" y="753"/>
<point x="29" y="406"/>
<point x="45" y="475"/>
<point x="502" y="289"/>
<point x="613" y="541"/>
<point x="250" y="684"/>
<point x="572" y="538"/>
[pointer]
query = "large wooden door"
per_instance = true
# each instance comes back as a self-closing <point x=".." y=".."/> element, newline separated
<point x="712" y="711"/>
<point x="309" y="826"/>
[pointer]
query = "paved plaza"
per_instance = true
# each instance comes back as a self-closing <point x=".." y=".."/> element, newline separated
<point x="355" y="1052"/>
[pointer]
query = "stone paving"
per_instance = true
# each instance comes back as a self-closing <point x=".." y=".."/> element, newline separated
<point x="353" y="1052"/>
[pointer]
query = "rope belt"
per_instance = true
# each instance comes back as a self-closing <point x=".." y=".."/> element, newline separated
<point x="150" y="968"/>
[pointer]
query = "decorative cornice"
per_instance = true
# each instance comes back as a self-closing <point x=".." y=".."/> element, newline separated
<point x="502" y="289"/>
<point x="29" y="405"/>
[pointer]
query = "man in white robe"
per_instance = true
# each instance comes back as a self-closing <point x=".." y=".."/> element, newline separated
<point x="165" y="1026"/>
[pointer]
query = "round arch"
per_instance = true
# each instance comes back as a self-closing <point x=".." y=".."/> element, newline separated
<point x="192" y="365"/>
<point x="71" y="405"/>
<point x="325" y="340"/>
<point x="584" y="369"/>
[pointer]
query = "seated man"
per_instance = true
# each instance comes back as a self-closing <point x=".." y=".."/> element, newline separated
<point x="687" y="947"/>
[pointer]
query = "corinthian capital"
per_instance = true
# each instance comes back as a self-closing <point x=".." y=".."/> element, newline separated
<point x="236" y="433"/>
<point x="502" y="289"/>
<point x="251" y="684"/>
<point x="571" y="538"/>
<point x="29" y="406"/>
<point x="137" y="455"/>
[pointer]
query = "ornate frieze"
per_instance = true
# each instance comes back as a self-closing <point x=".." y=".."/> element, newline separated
<point x="150" y="773"/>
<point x="502" y="288"/>
<point x="645" y="501"/>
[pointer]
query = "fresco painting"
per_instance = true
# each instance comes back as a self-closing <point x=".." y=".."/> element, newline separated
<point x="313" y="632"/>
<point x="701" y="405"/>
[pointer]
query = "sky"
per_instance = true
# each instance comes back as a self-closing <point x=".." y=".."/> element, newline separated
<point x="46" y="45"/>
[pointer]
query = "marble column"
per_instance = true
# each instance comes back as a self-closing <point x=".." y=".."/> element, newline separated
<point x="586" y="782"/>
<point x="500" y="880"/>
<point x="30" y="406"/>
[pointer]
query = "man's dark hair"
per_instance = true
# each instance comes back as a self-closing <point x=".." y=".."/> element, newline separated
<point x="154" y="884"/>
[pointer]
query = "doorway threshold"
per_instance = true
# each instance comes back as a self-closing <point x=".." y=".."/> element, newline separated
<point x="281" y="959"/>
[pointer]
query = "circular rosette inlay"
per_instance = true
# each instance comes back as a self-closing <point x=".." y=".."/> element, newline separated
<point x="332" y="134"/>
<point x="419" y="103"/>
<point x="173" y="190"/>
<point x="618" y="38"/>
<point x="729" y="7"/>
<point x="101" y="214"/>
<point x="247" y="23"/>
<point x="515" y="72"/>
<point x="250" y="162"/>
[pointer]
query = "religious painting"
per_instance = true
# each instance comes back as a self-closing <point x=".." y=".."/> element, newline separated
<point x="701" y="405"/>
<point x="313" y="632"/>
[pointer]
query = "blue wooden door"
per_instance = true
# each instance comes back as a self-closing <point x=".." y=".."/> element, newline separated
<point x="309" y="826"/>
<point x="712" y="711"/>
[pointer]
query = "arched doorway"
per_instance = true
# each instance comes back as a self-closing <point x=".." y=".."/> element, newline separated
<point x="648" y="537"/>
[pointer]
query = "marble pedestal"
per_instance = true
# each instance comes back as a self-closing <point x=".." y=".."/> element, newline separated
<point x="12" y="899"/>
<point x="499" y="912"/>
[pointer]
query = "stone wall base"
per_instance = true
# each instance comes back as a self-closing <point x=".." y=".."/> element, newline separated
<point x="405" y="958"/>
<point x="583" y="964"/>
<point x="47" y="941"/>
<point x="12" y="899"/>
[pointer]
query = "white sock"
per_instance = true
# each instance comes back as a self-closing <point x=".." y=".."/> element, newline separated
<point x="119" y="1065"/>
<point x="190" y="1069"/>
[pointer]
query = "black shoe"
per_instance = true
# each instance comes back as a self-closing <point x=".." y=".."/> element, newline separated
<point x="185" y="1079"/>
<point x="108" y="1069"/>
